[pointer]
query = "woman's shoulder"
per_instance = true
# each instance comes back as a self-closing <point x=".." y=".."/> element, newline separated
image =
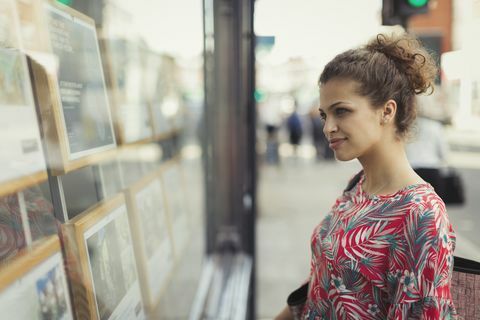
<point x="426" y="210"/>
<point x="417" y="199"/>
<point x="423" y="197"/>
<point x="419" y="194"/>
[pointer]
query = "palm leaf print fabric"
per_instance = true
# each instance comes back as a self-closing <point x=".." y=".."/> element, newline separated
<point x="382" y="257"/>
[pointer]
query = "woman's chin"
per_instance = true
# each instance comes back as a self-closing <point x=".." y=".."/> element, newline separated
<point x="341" y="156"/>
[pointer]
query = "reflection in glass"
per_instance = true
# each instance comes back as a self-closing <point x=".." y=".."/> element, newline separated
<point x="12" y="237"/>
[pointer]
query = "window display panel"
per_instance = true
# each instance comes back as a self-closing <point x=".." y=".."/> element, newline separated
<point x="85" y="107"/>
<point x="89" y="176"/>
<point x="9" y="26"/>
<point x="12" y="234"/>
<point x="168" y="102"/>
<point x="101" y="263"/>
<point x="193" y="175"/>
<point x="34" y="35"/>
<point x="39" y="208"/>
<point x="131" y="170"/>
<point x="34" y="286"/>
<point x="70" y="90"/>
<point x="176" y="204"/>
<point x="127" y="60"/>
<point x="156" y="90"/>
<point x="22" y="161"/>
<point x="151" y="233"/>
<point x="80" y="182"/>
<point x="25" y="217"/>
<point x="111" y="178"/>
<point x="136" y="161"/>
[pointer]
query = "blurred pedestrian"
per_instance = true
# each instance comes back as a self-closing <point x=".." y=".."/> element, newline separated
<point x="272" y="155"/>
<point x="318" y="138"/>
<point x="427" y="152"/>
<point x="385" y="249"/>
<point x="295" y="130"/>
<point x="271" y="120"/>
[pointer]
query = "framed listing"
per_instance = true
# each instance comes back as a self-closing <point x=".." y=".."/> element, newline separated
<point x="33" y="28"/>
<point x="127" y="70"/>
<point x="34" y="286"/>
<point x="75" y="110"/>
<point x="22" y="162"/>
<point x="101" y="262"/>
<point x="176" y="205"/>
<point x="153" y="246"/>
<point x="156" y="91"/>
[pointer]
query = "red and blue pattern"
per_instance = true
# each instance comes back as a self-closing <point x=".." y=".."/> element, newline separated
<point x="383" y="257"/>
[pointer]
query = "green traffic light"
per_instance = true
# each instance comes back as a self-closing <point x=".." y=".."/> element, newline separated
<point x="417" y="3"/>
<point x="66" y="2"/>
<point x="259" y="95"/>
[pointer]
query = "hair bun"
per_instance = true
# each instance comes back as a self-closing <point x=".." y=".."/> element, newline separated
<point x="410" y="58"/>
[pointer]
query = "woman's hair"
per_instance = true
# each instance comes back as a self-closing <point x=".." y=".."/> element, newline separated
<point x="388" y="67"/>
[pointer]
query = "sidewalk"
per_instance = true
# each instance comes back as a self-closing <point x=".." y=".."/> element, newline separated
<point x="293" y="198"/>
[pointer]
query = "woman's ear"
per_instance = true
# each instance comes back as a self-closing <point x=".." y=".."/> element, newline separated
<point x="388" y="111"/>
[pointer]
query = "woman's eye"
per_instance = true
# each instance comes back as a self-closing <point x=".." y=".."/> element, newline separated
<point x="323" y="116"/>
<point x="340" y="111"/>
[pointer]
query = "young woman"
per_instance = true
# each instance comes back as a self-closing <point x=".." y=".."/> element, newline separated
<point x="385" y="250"/>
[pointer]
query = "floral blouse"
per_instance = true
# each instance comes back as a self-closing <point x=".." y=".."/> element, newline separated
<point x="382" y="257"/>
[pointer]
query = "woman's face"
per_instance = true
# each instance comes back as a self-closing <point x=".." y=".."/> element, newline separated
<point x="352" y="126"/>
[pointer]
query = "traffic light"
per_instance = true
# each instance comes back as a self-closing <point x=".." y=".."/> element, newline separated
<point x="398" y="11"/>
<point x="409" y="8"/>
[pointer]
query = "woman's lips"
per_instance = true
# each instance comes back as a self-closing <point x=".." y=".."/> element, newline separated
<point x="335" y="143"/>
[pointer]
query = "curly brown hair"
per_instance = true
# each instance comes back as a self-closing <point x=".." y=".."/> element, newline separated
<point x="394" y="67"/>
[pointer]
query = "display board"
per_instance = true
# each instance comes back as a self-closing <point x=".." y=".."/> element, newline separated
<point x="151" y="234"/>
<point x="39" y="212"/>
<point x="74" y="105"/>
<point x="111" y="178"/>
<point x="172" y="105"/>
<point x="126" y="61"/>
<point x="12" y="233"/>
<point x="156" y="88"/>
<point x="34" y="35"/>
<point x="176" y="204"/>
<point x="102" y="268"/>
<point x="25" y="216"/>
<point x="34" y="287"/>
<point x="22" y="161"/>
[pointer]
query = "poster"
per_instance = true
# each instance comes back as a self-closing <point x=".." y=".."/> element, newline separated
<point x="177" y="209"/>
<point x="112" y="267"/>
<point x="39" y="218"/>
<point x="12" y="236"/>
<point x="41" y="292"/>
<point x="156" y="90"/>
<point x="150" y="228"/>
<point x="22" y="153"/>
<point x="85" y="110"/>
<point x="128" y="61"/>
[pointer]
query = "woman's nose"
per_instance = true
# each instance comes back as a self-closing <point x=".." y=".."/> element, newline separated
<point x="329" y="127"/>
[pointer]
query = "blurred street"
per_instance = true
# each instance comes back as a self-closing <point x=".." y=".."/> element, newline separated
<point x="295" y="196"/>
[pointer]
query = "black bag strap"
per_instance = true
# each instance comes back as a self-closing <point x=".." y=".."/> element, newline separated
<point x="353" y="182"/>
<point x="465" y="266"/>
<point x="299" y="296"/>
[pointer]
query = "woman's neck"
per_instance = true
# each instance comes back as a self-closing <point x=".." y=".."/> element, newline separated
<point x="387" y="170"/>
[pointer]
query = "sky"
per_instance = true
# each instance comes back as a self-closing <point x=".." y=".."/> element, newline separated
<point x="308" y="28"/>
<point x="316" y="29"/>
<point x="171" y="26"/>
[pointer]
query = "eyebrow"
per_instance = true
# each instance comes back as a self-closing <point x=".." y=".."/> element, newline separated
<point x="332" y="105"/>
